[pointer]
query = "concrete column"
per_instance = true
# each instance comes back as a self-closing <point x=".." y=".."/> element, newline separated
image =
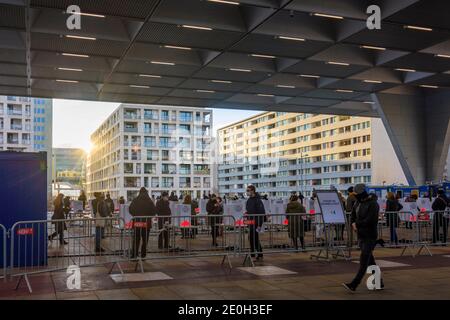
<point x="418" y="127"/>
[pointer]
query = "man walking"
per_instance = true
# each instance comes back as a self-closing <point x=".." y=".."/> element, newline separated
<point x="365" y="223"/>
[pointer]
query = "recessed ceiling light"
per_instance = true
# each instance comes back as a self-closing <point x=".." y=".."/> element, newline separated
<point x="81" y="37"/>
<point x="196" y="27"/>
<point x="262" y="56"/>
<point x="88" y="14"/>
<point x="149" y="76"/>
<point x="177" y="47"/>
<point x="285" y="86"/>
<point x="291" y="38"/>
<point x="70" y="69"/>
<point x="418" y="28"/>
<point x="405" y="70"/>
<point x="373" y="81"/>
<point x="66" y="81"/>
<point x="163" y="63"/>
<point x="344" y="91"/>
<point x="240" y="70"/>
<point x="205" y="91"/>
<point x="373" y="48"/>
<point x="265" y="95"/>
<point x="221" y="81"/>
<point x="75" y="55"/>
<point x="338" y="63"/>
<point x="225" y="2"/>
<point x="138" y="86"/>
<point x="309" y="76"/>
<point x="442" y="56"/>
<point x="429" y="86"/>
<point x="328" y="16"/>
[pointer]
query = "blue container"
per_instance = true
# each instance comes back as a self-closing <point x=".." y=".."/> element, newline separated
<point x="23" y="197"/>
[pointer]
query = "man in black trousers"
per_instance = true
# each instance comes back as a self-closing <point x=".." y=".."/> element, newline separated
<point x="255" y="209"/>
<point x="365" y="223"/>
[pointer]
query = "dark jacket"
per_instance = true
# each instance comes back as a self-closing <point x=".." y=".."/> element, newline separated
<point x="214" y="209"/>
<point x="350" y="203"/>
<point x="255" y="206"/>
<point x="110" y="203"/>
<point x="440" y="204"/>
<point x="58" y="213"/>
<point x="392" y="209"/>
<point x="163" y="208"/>
<point x="295" y="222"/>
<point x="365" y="216"/>
<point x="142" y="206"/>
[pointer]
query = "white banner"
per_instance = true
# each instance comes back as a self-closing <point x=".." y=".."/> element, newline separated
<point x="331" y="207"/>
<point x="236" y="210"/>
<point x="77" y="206"/>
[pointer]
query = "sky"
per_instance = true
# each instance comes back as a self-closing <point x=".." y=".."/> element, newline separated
<point x="74" y="121"/>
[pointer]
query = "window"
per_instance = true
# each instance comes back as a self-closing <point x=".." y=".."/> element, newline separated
<point x="150" y="168"/>
<point x="185" y="116"/>
<point x="128" y="168"/>
<point x="185" y="169"/>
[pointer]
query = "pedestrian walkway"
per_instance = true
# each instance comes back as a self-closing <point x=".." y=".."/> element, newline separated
<point x="292" y="276"/>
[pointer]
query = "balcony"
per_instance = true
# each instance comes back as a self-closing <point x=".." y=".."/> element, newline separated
<point x="167" y="185"/>
<point x="150" y="116"/>
<point x="202" y="172"/>
<point x="26" y="141"/>
<point x="13" y="141"/>
<point x="15" y="112"/>
<point x="131" y="129"/>
<point x="16" y="127"/>
<point x="131" y="116"/>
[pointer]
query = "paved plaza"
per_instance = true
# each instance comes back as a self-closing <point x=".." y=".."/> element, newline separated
<point x="279" y="277"/>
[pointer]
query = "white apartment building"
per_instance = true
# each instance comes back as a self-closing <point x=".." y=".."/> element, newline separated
<point x="282" y="152"/>
<point x="26" y="126"/>
<point x="159" y="147"/>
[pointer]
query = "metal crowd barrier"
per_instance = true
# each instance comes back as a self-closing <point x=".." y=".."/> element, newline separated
<point x="164" y="237"/>
<point x="398" y="230"/>
<point x="54" y="245"/>
<point x="3" y="237"/>
<point x="289" y="233"/>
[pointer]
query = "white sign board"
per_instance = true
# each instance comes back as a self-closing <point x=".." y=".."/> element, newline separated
<point x="424" y="204"/>
<point x="331" y="207"/>
<point x="181" y="215"/>
<point x="278" y="208"/>
<point x="236" y="210"/>
<point x="77" y="206"/>
<point x="266" y="204"/>
<point x="172" y="205"/>
<point x="202" y="205"/>
<point x="124" y="213"/>
<point x="409" y="206"/>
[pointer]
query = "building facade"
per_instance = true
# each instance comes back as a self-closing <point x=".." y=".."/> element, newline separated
<point x="69" y="166"/>
<point x="160" y="148"/>
<point x="282" y="152"/>
<point x="26" y="126"/>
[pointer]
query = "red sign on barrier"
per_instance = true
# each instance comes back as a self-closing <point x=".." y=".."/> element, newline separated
<point x="286" y="222"/>
<point x="239" y="223"/>
<point x="25" y="231"/>
<point x="140" y="225"/>
<point x="249" y="222"/>
<point x="197" y="210"/>
<point x="185" y="224"/>
<point x="312" y="211"/>
<point x="129" y="225"/>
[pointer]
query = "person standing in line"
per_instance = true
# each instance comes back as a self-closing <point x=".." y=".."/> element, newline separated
<point x="121" y="200"/>
<point x="58" y="214"/>
<point x="163" y="211"/>
<point x="296" y="225"/>
<point x="392" y="217"/>
<point x="66" y="207"/>
<point x="110" y="203"/>
<point x="365" y="223"/>
<point x="255" y="209"/>
<point x="212" y="209"/>
<point x="351" y="200"/>
<point x="83" y="198"/>
<point x="194" y="222"/>
<point x="101" y="212"/>
<point x="141" y="208"/>
<point x="173" y="197"/>
<point x="439" y="206"/>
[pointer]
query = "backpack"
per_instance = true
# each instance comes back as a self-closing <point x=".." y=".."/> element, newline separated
<point x="103" y="209"/>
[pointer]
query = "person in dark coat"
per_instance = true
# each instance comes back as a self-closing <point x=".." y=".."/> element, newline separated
<point x="83" y="198"/>
<point x="141" y="206"/>
<point x="121" y="200"/>
<point x="163" y="210"/>
<point x="110" y="203"/>
<point x="256" y="217"/>
<point x="58" y="214"/>
<point x="365" y="223"/>
<point x="173" y="197"/>
<point x="296" y="226"/>
<point x="66" y="207"/>
<point x="392" y="217"/>
<point x="101" y="212"/>
<point x="439" y="219"/>
<point x="213" y="209"/>
<point x="351" y="200"/>
<point x="194" y="221"/>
